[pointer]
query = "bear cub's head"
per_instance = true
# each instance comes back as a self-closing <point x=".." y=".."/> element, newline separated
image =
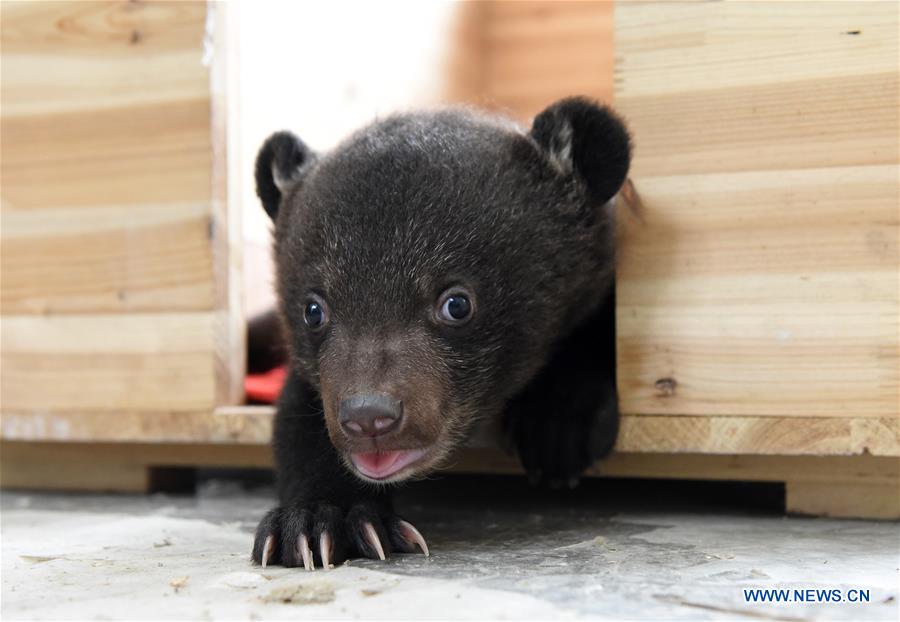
<point x="427" y="266"/>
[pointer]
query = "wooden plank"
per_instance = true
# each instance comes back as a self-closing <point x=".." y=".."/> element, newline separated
<point x="783" y="436"/>
<point x="69" y="56"/>
<point x="66" y="467"/>
<point x="858" y="486"/>
<point x="115" y="201"/>
<point x="706" y="215"/>
<point x="105" y="159"/>
<point x="855" y="500"/>
<point x="748" y="468"/>
<point x="146" y="154"/>
<point x="538" y="52"/>
<point x="639" y="434"/>
<point x="766" y="127"/>
<point x="811" y="469"/>
<point x="245" y="425"/>
<point x="230" y="324"/>
<point x="464" y="67"/>
<point x="761" y="276"/>
<point x="751" y="468"/>
<point x="129" y="258"/>
<point x="745" y="43"/>
<point x="112" y="363"/>
<point x="146" y="455"/>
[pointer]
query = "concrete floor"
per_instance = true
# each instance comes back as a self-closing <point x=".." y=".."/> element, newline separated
<point x="610" y="550"/>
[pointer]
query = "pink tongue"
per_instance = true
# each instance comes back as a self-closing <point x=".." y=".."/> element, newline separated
<point x="376" y="461"/>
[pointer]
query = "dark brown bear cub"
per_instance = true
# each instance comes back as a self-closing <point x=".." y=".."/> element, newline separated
<point x="435" y="269"/>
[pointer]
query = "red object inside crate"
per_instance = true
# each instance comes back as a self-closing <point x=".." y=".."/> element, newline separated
<point x="265" y="387"/>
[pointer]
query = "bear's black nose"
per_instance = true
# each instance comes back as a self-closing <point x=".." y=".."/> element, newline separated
<point x="369" y="414"/>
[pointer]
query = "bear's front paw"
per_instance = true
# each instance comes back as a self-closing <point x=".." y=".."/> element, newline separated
<point x="551" y="450"/>
<point x="323" y="535"/>
<point x="556" y="445"/>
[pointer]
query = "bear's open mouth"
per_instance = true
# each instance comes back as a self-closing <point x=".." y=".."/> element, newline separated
<point x="381" y="465"/>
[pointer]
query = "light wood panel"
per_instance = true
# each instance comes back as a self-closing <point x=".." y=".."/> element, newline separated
<point x="108" y="55"/>
<point x="144" y="362"/>
<point x="226" y="425"/>
<point x="849" y="486"/>
<point x="118" y="241"/>
<point x="855" y="470"/>
<point x="858" y="499"/>
<point x="784" y="436"/>
<point x="773" y="436"/>
<point x="129" y="258"/>
<point x="761" y="277"/>
<point x="740" y="44"/>
<point x="229" y="322"/>
<point x="538" y="52"/>
<point x="106" y="159"/>
<point x="59" y="466"/>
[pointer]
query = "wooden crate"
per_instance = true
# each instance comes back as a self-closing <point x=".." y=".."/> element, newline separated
<point x="762" y="277"/>
<point x="758" y="285"/>
<point x="116" y="296"/>
<point x="757" y="292"/>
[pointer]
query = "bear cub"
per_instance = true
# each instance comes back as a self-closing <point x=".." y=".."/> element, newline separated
<point x="436" y="269"/>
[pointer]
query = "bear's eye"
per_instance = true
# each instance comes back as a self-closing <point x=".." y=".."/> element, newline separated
<point x="455" y="306"/>
<point x="315" y="314"/>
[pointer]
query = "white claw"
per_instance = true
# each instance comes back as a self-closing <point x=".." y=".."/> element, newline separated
<point x="325" y="550"/>
<point x="411" y="534"/>
<point x="305" y="552"/>
<point x="268" y="546"/>
<point x="372" y="539"/>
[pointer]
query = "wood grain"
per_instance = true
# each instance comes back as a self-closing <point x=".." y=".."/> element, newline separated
<point x="854" y="500"/>
<point x="860" y="469"/>
<point x="70" y="56"/>
<point x="60" y="466"/>
<point x="235" y="426"/>
<point x="113" y="363"/>
<point x="142" y="154"/>
<point x="538" y="52"/>
<point x="227" y="241"/>
<point x="778" y="436"/>
<point x="120" y="265"/>
<point x="787" y="436"/>
<point x="862" y="486"/>
<point x="106" y="120"/>
<point x="129" y="259"/>
<point x="761" y="278"/>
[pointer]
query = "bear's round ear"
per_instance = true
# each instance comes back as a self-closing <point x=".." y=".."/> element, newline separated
<point x="579" y="136"/>
<point x="283" y="161"/>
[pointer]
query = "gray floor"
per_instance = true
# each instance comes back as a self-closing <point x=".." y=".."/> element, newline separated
<point x="609" y="550"/>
